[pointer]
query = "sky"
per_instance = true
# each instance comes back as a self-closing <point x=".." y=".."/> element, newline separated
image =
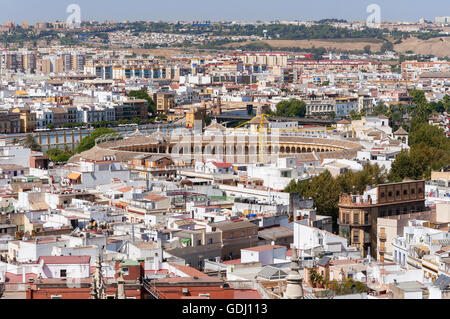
<point x="217" y="10"/>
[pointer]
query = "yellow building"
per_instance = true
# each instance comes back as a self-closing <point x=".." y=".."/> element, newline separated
<point x="27" y="119"/>
<point x="193" y="115"/>
<point x="164" y="102"/>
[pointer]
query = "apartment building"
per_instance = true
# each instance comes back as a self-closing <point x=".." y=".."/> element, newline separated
<point x="235" y="235"/>
<point x="27" y="119"/>
<point x="9" y="122"/>
<point x="164" y="102"/>
<point x="131" y="109"/>
<point x="264" y="58"/>
<point x="319" y="107"/>
<point x="358" y="215"/>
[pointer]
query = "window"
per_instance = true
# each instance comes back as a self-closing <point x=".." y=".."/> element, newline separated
<point x="199" y="242"/>
<point x="390" y="194"/>
<point x="125" y="271"/>
<point x="56" y="297"/>
<point x="366" y="218"/>
<point x="420" y="190"/>
<point x="63" y="273"/>
<point x="382" y="194"/>
<point x="356" y="218"/>
<point x="413" y="191"/>
<point x="405" y="192"/>
<point x="210" y="241"/>
<point x="397" y="193"/>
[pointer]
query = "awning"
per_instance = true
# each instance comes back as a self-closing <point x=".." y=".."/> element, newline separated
<point x="74" y="176"/>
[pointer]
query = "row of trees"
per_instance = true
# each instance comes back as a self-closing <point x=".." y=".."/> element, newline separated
<point x="325" y="189"/>
<point x="429" y="150"/>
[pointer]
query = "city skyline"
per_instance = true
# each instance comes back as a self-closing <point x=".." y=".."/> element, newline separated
<point x="134" y="10"/>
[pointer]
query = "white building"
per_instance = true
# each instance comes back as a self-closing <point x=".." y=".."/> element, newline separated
<point x="417" y="241"/>
<point x="280" y="174"/>
<point x="266" y="255"/>
<point x="65" y="266"/>
<point x="309" y="239"/>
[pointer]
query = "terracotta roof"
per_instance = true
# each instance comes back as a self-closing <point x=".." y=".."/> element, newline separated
<point x="125" y="189"/>
<point x="191" y="272"/>
<point x="401" y="131"/>
<point x="65" y="260"/>
<point x="222" y="165"/>
<point x="74" y="176"/>
<point x="155" y="197"/>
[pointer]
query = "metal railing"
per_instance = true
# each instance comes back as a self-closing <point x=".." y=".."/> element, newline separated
<point x="150" y="287"/>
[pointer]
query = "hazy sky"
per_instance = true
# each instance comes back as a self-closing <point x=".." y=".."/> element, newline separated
<point x="215" y="10"/>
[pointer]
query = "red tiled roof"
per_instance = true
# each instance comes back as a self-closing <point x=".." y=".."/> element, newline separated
<point x="154" y="197"/>
<point x="222" y="165"/>
<point x="191" y="272"/>
<point x="125" y="189"/>
<point x="65" y="260"/>
<point x="246" y="294"/>
<point x="14" y="279"/>
<point x="232" y="262"/>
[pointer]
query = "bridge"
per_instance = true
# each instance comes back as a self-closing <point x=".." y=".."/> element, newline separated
<point x="230" y="119"/>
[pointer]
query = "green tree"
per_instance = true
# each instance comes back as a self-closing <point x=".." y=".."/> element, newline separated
<point x="429" y="150"/>
<point x="291" y="108"/>
<point x="142" y="94"/>
<point x="31" y="143"/>
<point x="421" y="105"/>
<point x="325" y="190"/>
<point x="57" y="155"/>
<point x="89" y="141"/>
<point x="387" y="46"/>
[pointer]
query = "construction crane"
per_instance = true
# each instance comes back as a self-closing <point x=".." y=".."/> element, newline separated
<point x="263" y="128"/>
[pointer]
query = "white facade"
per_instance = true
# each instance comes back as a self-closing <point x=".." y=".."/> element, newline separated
<point x="307" y="238"/>
<point x="18" y="155"/>
<point x="268" y="256"/>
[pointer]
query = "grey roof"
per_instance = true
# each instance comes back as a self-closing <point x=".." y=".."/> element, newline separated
<point x="324" y="261"/>
<point x="229" y="225"/>
<point x="275" y="233"/>
<point x="270" y="272"/>
<point x="410" y="286"/>
<point x="442" y="282"/>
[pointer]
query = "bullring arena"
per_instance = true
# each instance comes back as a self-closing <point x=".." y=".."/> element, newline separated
<point x="223" y="145"/>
